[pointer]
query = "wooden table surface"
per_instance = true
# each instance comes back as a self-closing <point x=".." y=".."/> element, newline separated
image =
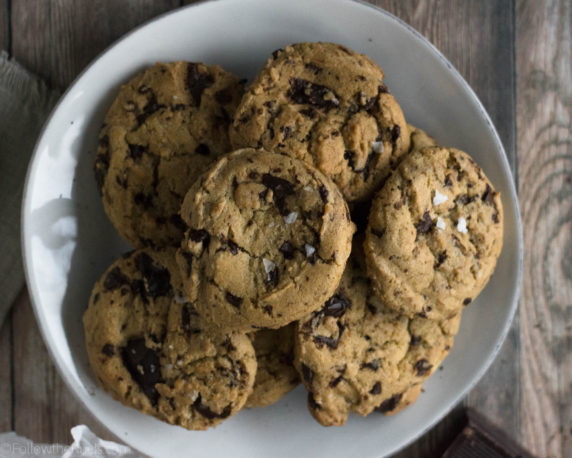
<point x="516" y="55"/>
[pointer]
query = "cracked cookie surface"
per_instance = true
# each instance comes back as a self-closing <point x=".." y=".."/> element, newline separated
<point x="150" y="351"/>
<point x="276" y="375"/>
<point x="268" y="240"/>
<point x="326" y="105"/>
<point x="434" y="234"/>
<point x="355" y="355"/>
<point x="164" y="128"/>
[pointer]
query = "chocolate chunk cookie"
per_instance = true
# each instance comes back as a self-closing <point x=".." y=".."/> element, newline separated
<point x="165" y="127"/>
<point x="276" y="375"/>
<point x="434" y="235"/>
<point x="419" y="138"/>
<point x="326" y="105"/>
<point x="355" y="355"/>
<point x="267" y="241"/>
<point x="150" y="351"/>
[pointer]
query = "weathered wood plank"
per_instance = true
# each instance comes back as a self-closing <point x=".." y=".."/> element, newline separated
<point x="4" y="25"/>
<point x="544" y="121"/>
<point x="58" y="39"/>
<point x="44" y="409"/>
<point x="6" y="374"/>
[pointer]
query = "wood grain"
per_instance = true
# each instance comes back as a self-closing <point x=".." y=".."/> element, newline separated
<point x="5" y="25"/>
<point x="544" y="122"/>
<point x="6" y="375"/>
<point x="57" y="39"/>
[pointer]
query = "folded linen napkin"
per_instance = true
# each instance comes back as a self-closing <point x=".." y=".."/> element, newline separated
<point x="25" y="102"/>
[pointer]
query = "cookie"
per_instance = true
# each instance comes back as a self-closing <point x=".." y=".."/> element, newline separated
<point x="355" y="355"/>
<point x="150" y="351"/>
<point x="326" y="105"/>
<point x="275" y="376"/>
<point x="164" y="128"/>
<point x="419" y="139"/>
<point x="267" y="242"/>
<point x="434" y="234"/>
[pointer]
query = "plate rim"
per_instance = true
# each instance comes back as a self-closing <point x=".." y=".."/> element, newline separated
<point x="64" y="373"/>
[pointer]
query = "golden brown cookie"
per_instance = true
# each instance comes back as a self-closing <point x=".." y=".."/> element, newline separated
<point x="434" y="235"/>
<point x="326" y="105"/>
<point x="267" y="242"/>
<point x="149" y="350"/>
<point x="165" y="127"/>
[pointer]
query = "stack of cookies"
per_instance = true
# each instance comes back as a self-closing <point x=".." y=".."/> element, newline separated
<point x="296" y="230"/>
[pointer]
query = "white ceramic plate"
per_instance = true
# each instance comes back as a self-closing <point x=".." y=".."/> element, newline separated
<point x="68" y="241"/>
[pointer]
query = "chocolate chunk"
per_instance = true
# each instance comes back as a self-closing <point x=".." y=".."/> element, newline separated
<point x="329" y="341"/>
<point x="286" y="132"/>
<point x="138" y="289"/>
<point x="389" y="404"/>
<point x="425" y="224"/>
<point x="287" y="250"/>
<point x="157" y="278"/>
<point x="276" y="52"/>
<point x="197" y="82"/>
<point x="422" y="367"/>
<point x="313" y="67"/>
<point x="308" y="93"/>
<point x="467" y="301"/>
<point x="144" y="200"/>
<point x="312" y="402"/>
<point x="464" y="199"/>
<point x="335" y="381"/>
<point x="144" y="89"/>
<point x="448" y="181"/>
<point x="228" y="346"/>
<point x="136" y="151"/>
<point x="178" y="107"/>
<point x="185" y="318"/>
<point x="374" y="364"/>
<point x="488" y="196"/>
<point x="233" y="300"/>
<point x="233" y="247"/>
<point x="253" y="175"/>
<point x="376" y="388"/>
<point x="150" y="107"/>
<point x="280" y="189"/>
<point x="395" y="133"/>
<point x="267" y="309"/>
<point x="143" y="365"/>
<point x="350" y="157"/>
<point x="202" y="149"/>
<point x="108" y="350"/>
<point x="323" y="193"/>
<point x="188" y="261"/>
<point x="371" y="308"/>
<point x="336" y="305"/>
<point x="307" y="374"/>
<point x="206" y="412"/>
<point x="115" y="279"/>
<point x="199" y="235"/>
<point x="415" y="340"/>
<point x="441" y="258"/>
<point x="273" y="277"/>
<point x="224" y="96"/>
<point x="382" y="89"/>
<point x="495" y="216"/>
<point x="309" y="112"/>
<point x="378" y="232"/>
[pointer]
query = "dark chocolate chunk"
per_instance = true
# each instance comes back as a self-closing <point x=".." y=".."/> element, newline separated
<point x="157" y="279"/>
<point x="415" y="340"/>
<point x="143" y="365"/>
<point x="335" y="381"/>
<point x="336" y="305"/>
<point x="136" y="151"/>
<point x="467" y="301"/>
<point x="312" y="402"/>
<point x="395" y="133"/>
<point x="233" y="247"/>
<point x="276" y="52"/>
<point x="188" y="261"/>
<point x="273" y="277"/>
<point x="305" y="92"/>
<point x="309" y="112"/>
<point x="281" y="188"/>
<point x="202" y="149"/>
<point x="374" y="364"/>
<point x="150" y="107"/>
<point x="323" y="193"/>
<point x="287" y="131"/>
<point x="199" y="235"/>
<point x="464" y="199"/>
<point x="228" y="346"/>
<point x="330" y="341"/>
<point x="185" y="318"/>
<point x="144" y="200"/>
<point x="307" y="374"/>
<point x="371" y="308"/>
<point x="441" y="258"/>
<point x="108" y="350"/>
<point x="197" y="82"/>
<point x="422" y="367"/>
<point x="350" y="157"/>
<point x="233" y="300"/>
<point x="144" y="89"/>
<point x="389" y="404"/>
<point x="448" y="181"/>
<point x="376" y="388"/>
<point x="267" y="309"/>
<point x="287" y="250"/>
<point x="314" y="68"/>
<point x="224" y="96"/>
<point x="495" y="216"/>
<point x="115" y="279"/>
<point x="206" y="412"/>
<point x="425" y="224"/>
<point x="488" y="196"/>
<point x="382" y="89"/>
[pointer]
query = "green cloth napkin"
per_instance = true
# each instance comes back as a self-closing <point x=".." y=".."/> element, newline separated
<point x="25" y="102"/>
